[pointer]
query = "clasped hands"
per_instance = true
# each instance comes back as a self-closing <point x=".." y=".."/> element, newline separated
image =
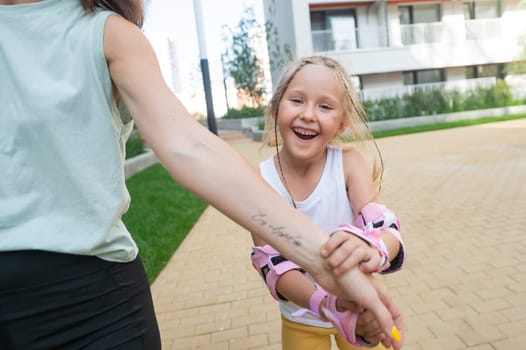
<point x="349" y="265"/>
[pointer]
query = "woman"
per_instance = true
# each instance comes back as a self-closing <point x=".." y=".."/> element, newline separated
<point x="71" y="276"/>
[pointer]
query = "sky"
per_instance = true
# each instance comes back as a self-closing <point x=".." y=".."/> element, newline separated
<point x="177" y="19"/>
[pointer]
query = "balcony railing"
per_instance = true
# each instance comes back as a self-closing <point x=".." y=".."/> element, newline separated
<point x="459" y="85"/>
<point x="366" y="37"/>
<point x="483" y="28"/>
<point x="421" y="33"/>
<point x="406" y="34"/>
<point x="323" y="40"/>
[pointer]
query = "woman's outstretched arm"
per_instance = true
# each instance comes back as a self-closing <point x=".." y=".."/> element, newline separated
<point x="209" y="167"/>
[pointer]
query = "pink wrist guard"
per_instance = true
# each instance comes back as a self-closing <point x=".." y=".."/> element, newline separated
<point x="373" y="238"/>
<point x="315" y="300"/>
<point x="344" y="322"/>
<point x="314" y="303"/>
<point x="375" y="216"/>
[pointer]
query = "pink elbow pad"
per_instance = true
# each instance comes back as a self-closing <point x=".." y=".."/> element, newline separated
<point x="270" y="264"/>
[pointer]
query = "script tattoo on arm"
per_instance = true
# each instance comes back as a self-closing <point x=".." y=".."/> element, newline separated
<point x="261" y="219"/>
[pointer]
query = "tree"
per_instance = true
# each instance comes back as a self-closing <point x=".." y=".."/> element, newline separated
<point x="241" y="61"/>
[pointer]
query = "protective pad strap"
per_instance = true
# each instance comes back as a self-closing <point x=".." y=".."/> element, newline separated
<point x="375" y="216"/>
<point x="314" y="303"/>
<point x="271" y="265"/>
<point x="344" y="322"/>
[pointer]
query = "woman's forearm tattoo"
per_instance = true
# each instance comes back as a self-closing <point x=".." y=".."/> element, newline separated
<point x="261" y="220"/>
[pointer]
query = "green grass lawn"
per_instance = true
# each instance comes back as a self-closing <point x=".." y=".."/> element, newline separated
<point x="160" y="216"/>
<point x="162" y="212"/>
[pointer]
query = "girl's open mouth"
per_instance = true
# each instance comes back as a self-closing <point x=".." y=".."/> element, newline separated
<point x="305" y="134"/>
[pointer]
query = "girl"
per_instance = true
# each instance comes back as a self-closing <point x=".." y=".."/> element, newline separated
<point x="71" y="277"/>
<point x="312" y="106"/>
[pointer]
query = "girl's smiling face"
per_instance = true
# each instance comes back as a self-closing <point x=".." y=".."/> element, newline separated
<point x="310" y="113"/>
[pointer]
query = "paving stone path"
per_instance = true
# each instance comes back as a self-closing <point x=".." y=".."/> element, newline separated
<point x="461" y="197"/>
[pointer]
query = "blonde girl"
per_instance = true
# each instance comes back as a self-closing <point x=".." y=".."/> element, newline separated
<point x="313" y="106"/>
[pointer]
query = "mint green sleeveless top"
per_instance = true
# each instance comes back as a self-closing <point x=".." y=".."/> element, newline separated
<point x="62" y="140"/>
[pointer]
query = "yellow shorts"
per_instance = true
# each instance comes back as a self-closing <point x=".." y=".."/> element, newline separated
<point x="297" y="336"/>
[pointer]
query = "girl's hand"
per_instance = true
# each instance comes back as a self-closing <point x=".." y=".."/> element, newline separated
<point x="368" y="328"/>
<point x="343" y="251"/>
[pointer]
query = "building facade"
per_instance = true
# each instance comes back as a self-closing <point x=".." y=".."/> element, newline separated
<point x="393" y="46"/>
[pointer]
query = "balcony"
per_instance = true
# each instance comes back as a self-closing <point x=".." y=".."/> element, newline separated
<point x="453" y="42"/>
<point x="481" y="29"/>
<point x="421" y="33"/>
<point x="408" y="35"/>
<point x="360" y="38"/>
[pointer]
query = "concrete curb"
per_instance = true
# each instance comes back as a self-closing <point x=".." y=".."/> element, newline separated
<point x="138" y="163"/>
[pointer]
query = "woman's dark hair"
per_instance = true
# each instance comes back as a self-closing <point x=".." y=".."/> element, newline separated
<point x="132" y="10"/>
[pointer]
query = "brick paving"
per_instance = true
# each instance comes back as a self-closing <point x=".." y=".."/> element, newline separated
<point x="461" y="197"/>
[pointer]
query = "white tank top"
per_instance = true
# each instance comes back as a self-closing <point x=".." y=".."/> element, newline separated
<point x="328" y="206"/>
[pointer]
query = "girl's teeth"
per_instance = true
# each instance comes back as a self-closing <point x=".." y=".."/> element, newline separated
<point x="304" y="134"/>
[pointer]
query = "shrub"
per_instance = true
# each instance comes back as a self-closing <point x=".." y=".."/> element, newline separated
<point x="456" y="101"/>
<point x="503" y="94"/>
<point x="382" y="109"/>
<point x="244" y="112"/>
<point x="436" y="101"/>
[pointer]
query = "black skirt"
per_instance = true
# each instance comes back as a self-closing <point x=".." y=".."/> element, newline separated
<point x="63" y="301"/>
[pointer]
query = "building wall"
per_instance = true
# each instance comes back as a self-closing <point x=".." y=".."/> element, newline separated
<point x="382" y="81"/>
<point x="455" y="73"/>
<point x="382" y="66"/>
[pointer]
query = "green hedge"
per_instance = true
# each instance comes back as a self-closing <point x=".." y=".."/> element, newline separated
<point x="244" y="112"/>
<point x="438" y="101"/>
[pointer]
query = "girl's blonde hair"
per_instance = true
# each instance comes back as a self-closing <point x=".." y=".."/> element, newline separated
<point x="354" y="117"/>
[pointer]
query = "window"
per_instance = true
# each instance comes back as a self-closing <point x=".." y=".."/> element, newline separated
<point x="424" y="76"/>
<point x="481" y="9"/>
<point x="424" y="13"/>
<point x="419" y="23"/>
<point x="334" y="30"/>
<point x="487" y="70"/>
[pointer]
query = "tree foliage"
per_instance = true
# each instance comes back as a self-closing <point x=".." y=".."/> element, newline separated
<point x="242" y="63"/>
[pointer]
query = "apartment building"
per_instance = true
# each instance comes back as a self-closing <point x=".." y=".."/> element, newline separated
<point x="393" y="46"/>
